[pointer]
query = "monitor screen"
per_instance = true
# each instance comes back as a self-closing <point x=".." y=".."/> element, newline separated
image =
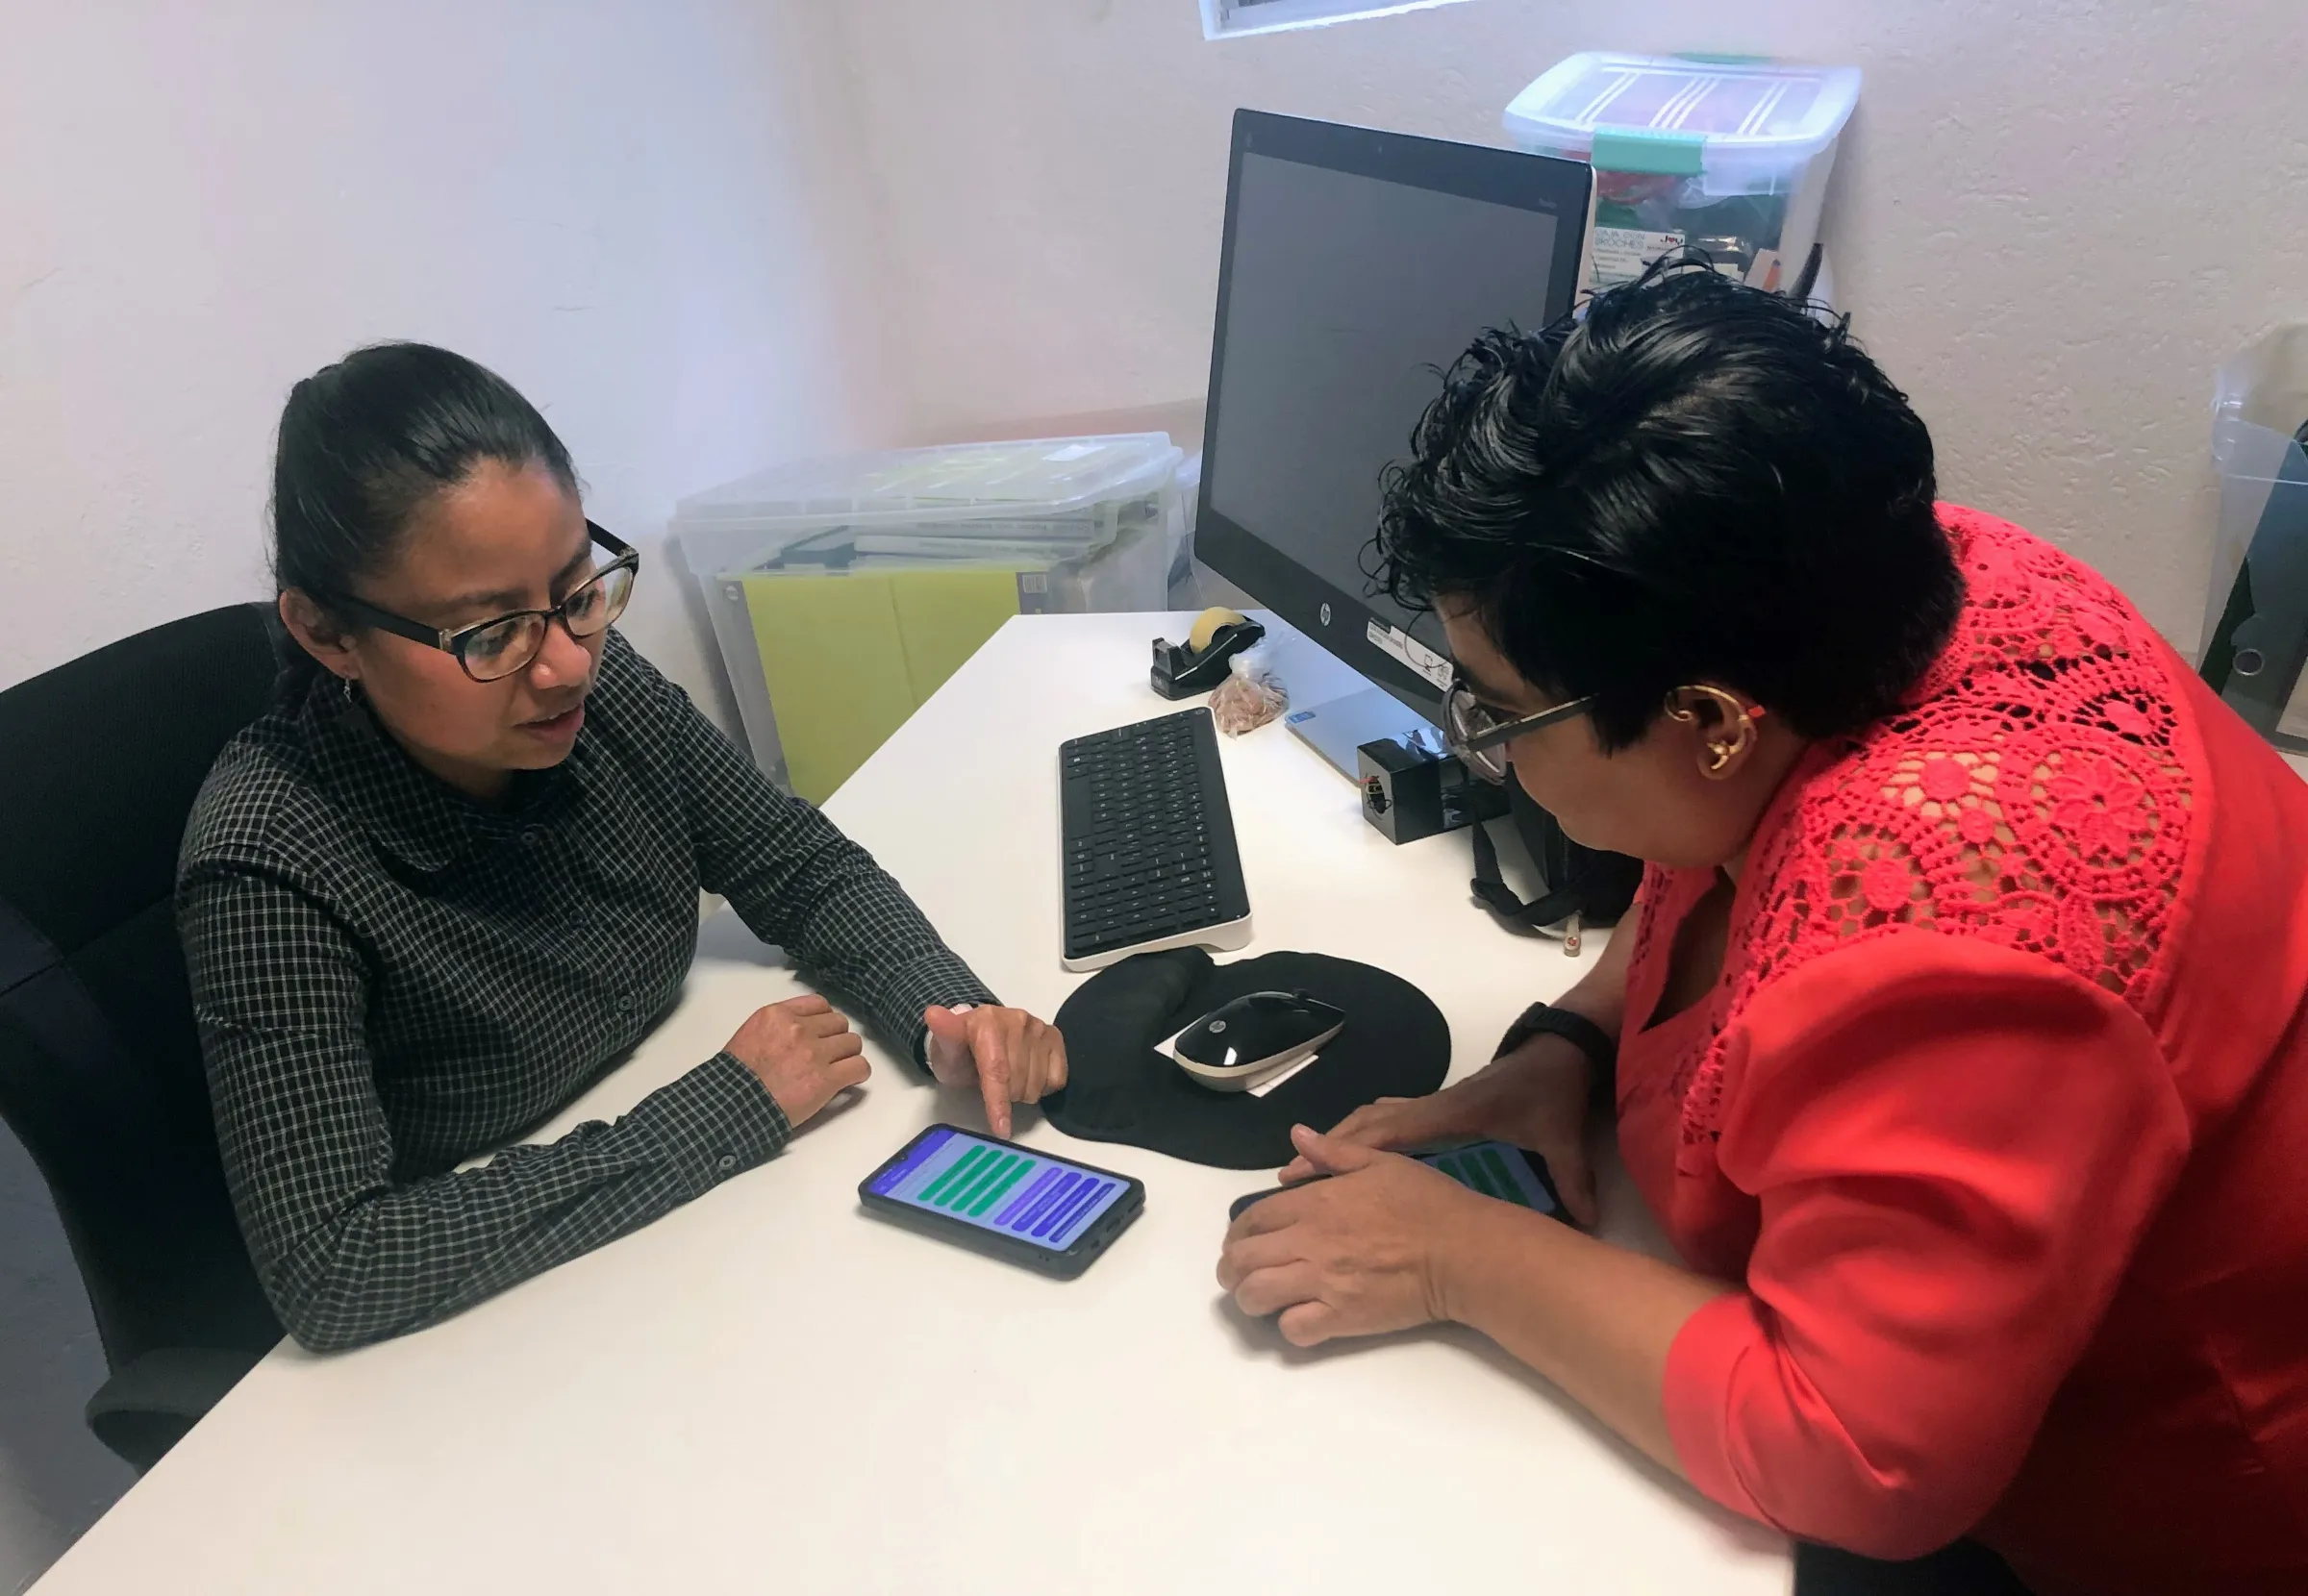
<point x="1356" y="264"/>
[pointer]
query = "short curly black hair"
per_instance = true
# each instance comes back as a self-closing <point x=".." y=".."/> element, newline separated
<point x="1686" y="481"/>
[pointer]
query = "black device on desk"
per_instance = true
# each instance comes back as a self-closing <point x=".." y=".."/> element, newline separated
<point x="1412" y="789"/>
<point x="1511" y="1174"/>
<point x="1010" y="1201"/>
<point x="1147" y="852"/>
<point x="1241" y="1044"/>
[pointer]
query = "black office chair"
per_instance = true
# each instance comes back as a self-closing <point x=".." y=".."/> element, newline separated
<point x="100" y="1069"/>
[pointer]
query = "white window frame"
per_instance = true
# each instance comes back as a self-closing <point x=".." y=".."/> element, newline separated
<point x="1241" y="18"/>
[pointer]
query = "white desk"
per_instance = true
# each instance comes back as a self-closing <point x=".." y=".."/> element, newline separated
<point x="770" y="1391"/>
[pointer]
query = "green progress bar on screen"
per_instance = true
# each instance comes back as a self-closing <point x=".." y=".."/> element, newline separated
<point x="938" y="1189"/>
<point x="1006" y="1175"/>
<point x="979" y="1178"/>
<point x="1483" y="1170"/>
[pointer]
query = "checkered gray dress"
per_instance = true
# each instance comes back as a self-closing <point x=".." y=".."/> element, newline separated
<point x="389" y="979"/>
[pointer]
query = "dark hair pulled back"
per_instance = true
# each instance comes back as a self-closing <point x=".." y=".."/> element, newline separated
<point x="364" y="443"/>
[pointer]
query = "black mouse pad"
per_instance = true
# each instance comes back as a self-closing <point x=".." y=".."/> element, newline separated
<point x="1119" y="1088"/>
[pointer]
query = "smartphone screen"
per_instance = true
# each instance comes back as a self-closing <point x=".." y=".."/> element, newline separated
<point x="1043" y="1201"/>
<point x="1495" y="1170"/>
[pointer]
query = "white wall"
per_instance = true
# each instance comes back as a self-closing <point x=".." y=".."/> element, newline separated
<point x="2055" y="216"/>
<point x="646" y="214"/>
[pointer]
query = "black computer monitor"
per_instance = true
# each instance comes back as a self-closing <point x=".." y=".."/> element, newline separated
<point x="1355" y="265"/>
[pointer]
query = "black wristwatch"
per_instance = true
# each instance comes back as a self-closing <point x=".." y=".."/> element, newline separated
<point x="1545" y="1020"/>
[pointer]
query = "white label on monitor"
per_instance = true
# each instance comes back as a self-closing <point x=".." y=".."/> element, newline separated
<point x="1410" y="653"/>
<point x="1427" y="662"/>
<point x="1387" y="639"/>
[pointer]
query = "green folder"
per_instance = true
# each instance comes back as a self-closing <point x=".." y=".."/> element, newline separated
<point x="848" y="655"/>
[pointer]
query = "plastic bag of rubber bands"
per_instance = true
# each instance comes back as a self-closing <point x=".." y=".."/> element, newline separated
<point x="1251" y="695"/>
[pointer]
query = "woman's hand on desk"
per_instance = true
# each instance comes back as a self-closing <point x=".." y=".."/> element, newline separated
<point x="1358" y="1255"/>
<point x="803" y="1052"/>
<point x="1012" y="1057"/>
<point x="1534" y="1097"/>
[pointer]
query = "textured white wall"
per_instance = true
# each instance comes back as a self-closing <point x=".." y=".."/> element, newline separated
<point x="646" y="214"/>
<point x="2053" y="218"/>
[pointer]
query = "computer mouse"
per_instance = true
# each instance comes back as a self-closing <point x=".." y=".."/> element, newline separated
<point x="1239" y="1044"/>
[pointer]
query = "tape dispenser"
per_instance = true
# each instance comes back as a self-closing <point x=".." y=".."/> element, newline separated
<point x="1199" y="664"/>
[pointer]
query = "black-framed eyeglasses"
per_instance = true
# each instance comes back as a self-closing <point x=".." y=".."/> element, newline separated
<point x="1479" y="735"/>
<point x="494" y="649"/>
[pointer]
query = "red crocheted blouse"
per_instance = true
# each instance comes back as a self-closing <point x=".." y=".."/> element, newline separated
<point x="1999" y="1112"/>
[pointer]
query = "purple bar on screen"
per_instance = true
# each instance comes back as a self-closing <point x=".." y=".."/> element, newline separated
<point x="1047" y="1201"/>
<point x="1083" y="1202"/>
<point x="892" y="1177"/>
<point x="1017" y="1204"/>
<point x="1082" y="1210"/>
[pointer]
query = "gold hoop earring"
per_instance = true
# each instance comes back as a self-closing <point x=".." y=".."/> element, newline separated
<point x="1722" y="751"/>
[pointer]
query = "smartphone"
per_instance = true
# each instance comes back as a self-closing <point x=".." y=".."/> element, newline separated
<point x="1051" y="1214"/>
<point x="1511" y="1174"/>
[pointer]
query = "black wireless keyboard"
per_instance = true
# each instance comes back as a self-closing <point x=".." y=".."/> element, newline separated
<point x="1148" y="853"/>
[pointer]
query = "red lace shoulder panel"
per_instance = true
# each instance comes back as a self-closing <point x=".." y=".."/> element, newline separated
<point x="2034" y="790"/>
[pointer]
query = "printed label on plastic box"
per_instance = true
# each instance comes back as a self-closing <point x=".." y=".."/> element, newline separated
<point x="1621" y="252"/>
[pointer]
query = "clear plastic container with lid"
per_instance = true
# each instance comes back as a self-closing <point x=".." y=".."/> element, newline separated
<point x="1726" y="154"/>
<point x="844" y="590"/>
<point x="1035" y="479"/>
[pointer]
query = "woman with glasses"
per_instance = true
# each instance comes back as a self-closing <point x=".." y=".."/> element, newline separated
<point x="452" y="876"/>
<point x="1959" y="1041"/>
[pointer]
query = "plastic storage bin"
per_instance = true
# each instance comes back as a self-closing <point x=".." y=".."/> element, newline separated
<point x="1729" y="154"/>
<point x="844" y="591"/>
<point x="2255" y="637"/>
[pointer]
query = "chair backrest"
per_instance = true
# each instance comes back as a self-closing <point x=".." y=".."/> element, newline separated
<point x="100" y="1067"/>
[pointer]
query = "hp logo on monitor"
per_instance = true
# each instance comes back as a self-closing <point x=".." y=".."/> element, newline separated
<point x="1326" y="615"/>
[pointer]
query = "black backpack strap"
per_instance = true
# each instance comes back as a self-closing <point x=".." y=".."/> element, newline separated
<point x="1489" y="886"/>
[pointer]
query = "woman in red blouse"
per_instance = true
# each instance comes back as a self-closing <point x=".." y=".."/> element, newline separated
<point x="1961" y="1032"/>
